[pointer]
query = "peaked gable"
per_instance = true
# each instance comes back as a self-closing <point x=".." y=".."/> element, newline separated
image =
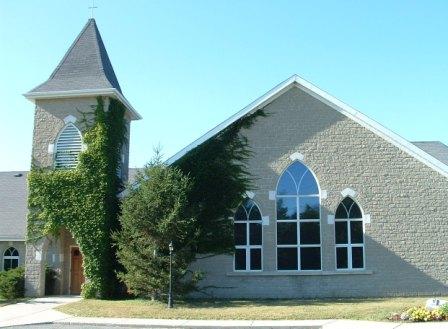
<point x="297" y="82"/>
<point x="86" y="65"/>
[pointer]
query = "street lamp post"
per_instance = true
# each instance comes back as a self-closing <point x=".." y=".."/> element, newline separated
<point x="170" y="291"/>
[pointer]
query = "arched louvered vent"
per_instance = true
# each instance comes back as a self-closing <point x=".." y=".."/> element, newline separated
<point x="68" y="147"/>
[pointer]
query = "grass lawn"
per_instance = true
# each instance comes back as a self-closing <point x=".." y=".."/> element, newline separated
<point x="356" y="309"/>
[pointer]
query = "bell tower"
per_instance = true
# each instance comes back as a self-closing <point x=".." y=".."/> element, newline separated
<point x="84" y="73"/>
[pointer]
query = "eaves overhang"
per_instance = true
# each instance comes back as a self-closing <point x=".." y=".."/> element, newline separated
<point x="111" y="92"/>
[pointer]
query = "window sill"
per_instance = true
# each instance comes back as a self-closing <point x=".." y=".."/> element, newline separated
<point x="297" y="273"/>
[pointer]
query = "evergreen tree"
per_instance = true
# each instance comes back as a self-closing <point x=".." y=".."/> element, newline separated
<point x="153" y="214"/>
<point x="188" y="203"/>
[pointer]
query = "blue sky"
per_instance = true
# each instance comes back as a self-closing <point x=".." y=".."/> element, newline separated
<point x="188" y="65"/>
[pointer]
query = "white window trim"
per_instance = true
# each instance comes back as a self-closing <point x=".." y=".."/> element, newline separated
<point x="70" y="119"/>
<point x="55" y="147"/>
<point x="249" y="194"/>
<point x="11" y="257"/>
<point x="298" y="246"/>
<point x="296" y="156"/>
<point x="248" y="246"/>
<point x="349" y="245"/>
<point x="349" y="192"/>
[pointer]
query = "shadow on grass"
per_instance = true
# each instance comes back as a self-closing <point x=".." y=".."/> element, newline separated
<point x="224" y="303"/>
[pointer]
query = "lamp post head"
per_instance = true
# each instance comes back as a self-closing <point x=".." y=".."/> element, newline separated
<point x="170" y="246"/>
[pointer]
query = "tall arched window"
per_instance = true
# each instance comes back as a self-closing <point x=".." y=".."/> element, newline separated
<point x="68" y="147"/>
<point x="10" y="258"/>
<point x="248" y="237"/>
<point x="349" y="235"/>
<point x="298" y="220"/>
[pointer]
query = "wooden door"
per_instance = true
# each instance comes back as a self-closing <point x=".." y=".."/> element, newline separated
<point x="77" y="271"/>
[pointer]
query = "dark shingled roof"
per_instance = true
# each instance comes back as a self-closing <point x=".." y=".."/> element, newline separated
<point x="132" y="174"/>
<point x="437" y="149"/>
<point x="13" y="204"/>
<point x="85" y="66"/>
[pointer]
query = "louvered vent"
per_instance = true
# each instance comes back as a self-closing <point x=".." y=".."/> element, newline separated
<point x="68" y="147"/>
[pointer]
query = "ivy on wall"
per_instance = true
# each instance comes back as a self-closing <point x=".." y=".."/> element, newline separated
<point x="84" y="200"/>
<point x="218" y="169"/>
<point x="188" y="204"/>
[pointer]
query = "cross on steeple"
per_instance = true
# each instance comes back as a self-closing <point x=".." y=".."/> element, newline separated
<point x="92" y="8"/>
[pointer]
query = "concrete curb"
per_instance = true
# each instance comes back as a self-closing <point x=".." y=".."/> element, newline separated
<point x="241" y="324"/>
<point x="201" y="324"/>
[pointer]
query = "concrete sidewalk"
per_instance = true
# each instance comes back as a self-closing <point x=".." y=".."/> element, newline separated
<point x="38" y="310"/>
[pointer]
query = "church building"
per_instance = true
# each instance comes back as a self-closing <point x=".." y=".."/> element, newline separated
<point x="342" y="206"/>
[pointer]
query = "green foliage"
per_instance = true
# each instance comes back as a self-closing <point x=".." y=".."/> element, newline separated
<point x="153" y="215"/>
<point x="444" y="311"/>
<point x="12" y="283"/>
<point x="84" y="200"/>
<point x="218" y="169"/>
<point x="188" y="203"/>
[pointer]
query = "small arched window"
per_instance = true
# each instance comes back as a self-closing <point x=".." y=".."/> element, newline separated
<point x="68" y="146"/>
<point x="298" y="220"/>
<point x="248" y="237"/>
<point x="349" y="235"/>
<point x="10" y="258"/>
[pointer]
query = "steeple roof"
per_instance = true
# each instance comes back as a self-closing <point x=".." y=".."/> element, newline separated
<point x="84" y="70"/>
<point x="86" y="65"/>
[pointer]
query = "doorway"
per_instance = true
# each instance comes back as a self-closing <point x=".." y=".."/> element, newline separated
<point x="76" y="271"/>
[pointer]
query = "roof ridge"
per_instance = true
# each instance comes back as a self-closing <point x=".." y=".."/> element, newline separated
<point x="99" y="43"/>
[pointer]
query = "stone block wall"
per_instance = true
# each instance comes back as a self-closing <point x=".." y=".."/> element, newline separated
<point x="405" y="243"/>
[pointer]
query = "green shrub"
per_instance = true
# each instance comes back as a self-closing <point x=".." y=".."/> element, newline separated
<point x="12" y="283"/>
<point x="444" y="311"/>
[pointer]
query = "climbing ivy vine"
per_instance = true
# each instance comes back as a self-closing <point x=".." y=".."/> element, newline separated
<point x="84" y="200"/>
<point x="220" y="177"/>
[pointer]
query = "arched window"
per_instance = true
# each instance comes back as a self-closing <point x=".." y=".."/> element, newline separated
<point x="248" y="237"/>
<point x="298" y="220"/>
<point x="68" y="147"/>
<point x="10" y="258"/>
<point x="349" y="235"/>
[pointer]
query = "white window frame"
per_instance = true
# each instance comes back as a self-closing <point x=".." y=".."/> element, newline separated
<point x="298" y="246"/>
<point x="55" y="154"/>
<point x="248" y="247"/>
<point x="11" y="257"/>
<point x="349" y="245"/>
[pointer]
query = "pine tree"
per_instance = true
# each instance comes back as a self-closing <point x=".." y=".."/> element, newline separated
<point x="153" y="214"/>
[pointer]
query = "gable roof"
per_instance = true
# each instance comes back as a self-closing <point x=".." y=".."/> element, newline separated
<point x="85" y="70"/>
<point x="13" y="205"/>
<point x="297" y="82"/>
<point x="437" y="149"/>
